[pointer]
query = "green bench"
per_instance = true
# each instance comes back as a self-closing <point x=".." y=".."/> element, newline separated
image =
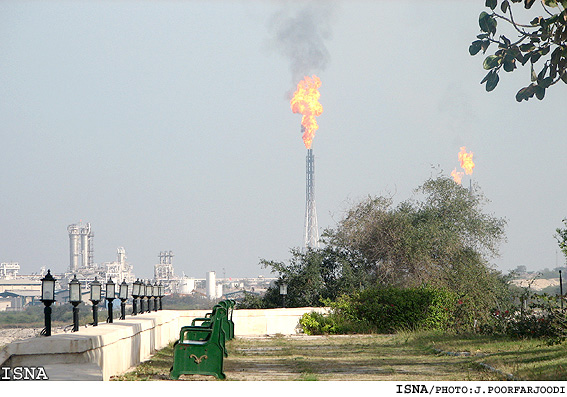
<point x="227" y="323"/>
<point x="201" y="349"/>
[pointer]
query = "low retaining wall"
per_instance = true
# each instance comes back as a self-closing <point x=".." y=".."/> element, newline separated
<point x="97" y="353"/>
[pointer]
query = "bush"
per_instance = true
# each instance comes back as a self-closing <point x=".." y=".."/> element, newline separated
<point x="320" y="324"/>
<point x="385" y="310"/>
<point x="541" y="319"/>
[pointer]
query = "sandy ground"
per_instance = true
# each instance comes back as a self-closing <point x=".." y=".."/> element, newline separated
<point x="9" y="335"/>
<point x="537" y="284"/>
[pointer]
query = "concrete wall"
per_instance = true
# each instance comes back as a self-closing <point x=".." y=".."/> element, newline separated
<point x="97" y="353"/>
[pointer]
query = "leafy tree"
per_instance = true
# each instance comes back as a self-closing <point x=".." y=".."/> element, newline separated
<point x="541" y="41"/>
<point x="441" y="238"/>
<point x="561" y="238"/>
<point x="316" y="274"/>
<point x="421" y="240"/>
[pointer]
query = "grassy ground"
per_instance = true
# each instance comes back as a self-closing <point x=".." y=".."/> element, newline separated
<point x="419" y="356"/>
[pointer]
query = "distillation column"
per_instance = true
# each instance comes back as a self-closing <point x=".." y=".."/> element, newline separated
<point x="73" y="247"/>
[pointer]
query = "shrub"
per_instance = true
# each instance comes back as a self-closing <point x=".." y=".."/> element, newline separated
<point x="385" y="310"/>
<point x="542" y="318"/>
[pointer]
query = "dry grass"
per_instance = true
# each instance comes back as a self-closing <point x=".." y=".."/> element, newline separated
<point x="354" y="358"/>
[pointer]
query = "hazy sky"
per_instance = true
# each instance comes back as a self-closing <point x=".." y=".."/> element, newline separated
<point x="167" y="126"/>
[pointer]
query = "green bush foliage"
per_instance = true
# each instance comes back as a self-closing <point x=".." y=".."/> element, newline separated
<point x="536" y="316"/>
<point x="385" y="310"/>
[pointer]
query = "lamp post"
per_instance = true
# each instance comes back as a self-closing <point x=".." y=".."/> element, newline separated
<point x="95" y="299"/>
<point x="110" y="295"/>
<point x="155" y="293"/>
<point x="142" y="296"/>
<point x="123" y="296"/>
<point x="135" y="295"/>
<point x="160" y="293"/>
<point x="75" y="299"/>
<point x="149" y="292"/>
<point x="283" y="292"/>
<point x="47" y="297"/>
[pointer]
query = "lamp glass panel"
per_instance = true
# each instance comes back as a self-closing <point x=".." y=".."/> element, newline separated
<point x="136" y="289"/>
<point x="123" y="291"/>
<point x="74" y="292"/>
<point x="110" y="291"/>
<point x="48" y="290"/>
<point x="95" y="292"/>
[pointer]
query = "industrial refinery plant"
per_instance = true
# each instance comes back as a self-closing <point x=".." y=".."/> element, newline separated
<point x="17" y="291"/>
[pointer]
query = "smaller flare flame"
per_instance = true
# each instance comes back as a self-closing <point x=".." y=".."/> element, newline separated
<point x="457" y="176"/>
<point x="466" y="160"/>
<point x="305" y="101"/>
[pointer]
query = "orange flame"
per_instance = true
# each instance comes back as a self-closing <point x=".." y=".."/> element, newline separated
<point x="466" y="160"/>
<point x="457" y="176"/>
<point x="306" y="102"/>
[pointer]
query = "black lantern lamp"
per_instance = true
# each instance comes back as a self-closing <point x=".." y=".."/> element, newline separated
<point x="47" y="297"/>
<point x="135" y="295"/>
<point x="142" y="296"/>
<point x="96" y="291"/>
<point x="123" y="296"/>
<point x="110" y="295"/>
<point x="160" y="294"/>
<point x="283" y="292"/>
<point x="75" y="299"/>
<point x="149" y="292"/>
<point x="155" y="289"/>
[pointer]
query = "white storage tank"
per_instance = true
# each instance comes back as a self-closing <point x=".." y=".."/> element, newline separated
<point x="186" y="285"/>
<point x="211" y="289"/>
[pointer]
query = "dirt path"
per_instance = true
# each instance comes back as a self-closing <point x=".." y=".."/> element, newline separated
<point x="358" y="358"/>
<point x="355" y="358"/>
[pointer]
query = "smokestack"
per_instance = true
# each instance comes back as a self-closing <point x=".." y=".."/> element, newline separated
<point x="73" y="247"/>
<point x="311" y="227"/>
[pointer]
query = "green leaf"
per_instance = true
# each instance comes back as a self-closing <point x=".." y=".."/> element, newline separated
<point x="545" y="83"/>
<point x="535" y="56"/>
<point x="491" y="4"/>
<point x="475" y="47"/>
<point x="482" y="21"/>
<point x="564" y="77"/>
<point x="528" y="3"/>
<point x="533" y="75"/>
<point x="542" y="73"/>
<point x="492" y="61"/>
<point x="525" y="93"/>
<point x="527" y="47"/>
<point x="505" y="5"/>
<point x="539" y="92"/>
<point x="487" y="23"/>
<point x="550" y="3"/>
<point x="509" y="65"/>
<point x="492" y="81"/>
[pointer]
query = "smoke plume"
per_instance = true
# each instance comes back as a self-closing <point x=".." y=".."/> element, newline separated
<point x="300" y="36"/>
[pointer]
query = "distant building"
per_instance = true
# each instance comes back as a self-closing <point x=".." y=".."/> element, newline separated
<point x="9" y="270"/>
<point x="19" y="293"/>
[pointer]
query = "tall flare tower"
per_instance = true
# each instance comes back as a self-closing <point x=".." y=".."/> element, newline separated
<point x="311" y="227"/>
<point x="305" y="101"/>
